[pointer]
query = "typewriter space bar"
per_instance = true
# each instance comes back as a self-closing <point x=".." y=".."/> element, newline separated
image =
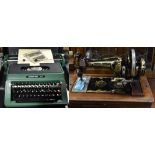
<point x="35" y="100"/>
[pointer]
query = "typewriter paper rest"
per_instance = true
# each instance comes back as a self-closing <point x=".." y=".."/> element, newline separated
<point x="35" y="57"/>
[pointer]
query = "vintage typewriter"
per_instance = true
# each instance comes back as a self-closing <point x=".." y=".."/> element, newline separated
<point x="39" y="85"/>
<point x="126" y="72"/>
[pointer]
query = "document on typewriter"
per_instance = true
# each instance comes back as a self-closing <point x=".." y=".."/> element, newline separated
<point x="35" y="56"/>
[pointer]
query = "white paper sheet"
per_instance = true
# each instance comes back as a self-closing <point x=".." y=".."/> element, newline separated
<point x="35" y="56"/>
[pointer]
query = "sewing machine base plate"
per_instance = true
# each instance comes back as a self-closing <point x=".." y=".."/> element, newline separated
<point x="109" y="100"/>
<point x="105" y="85"/>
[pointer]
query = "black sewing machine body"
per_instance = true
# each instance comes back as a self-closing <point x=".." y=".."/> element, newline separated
<point x="124" y="80"/>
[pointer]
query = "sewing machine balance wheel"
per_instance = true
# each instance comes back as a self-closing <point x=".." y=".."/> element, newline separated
<point x="132" y="62"/>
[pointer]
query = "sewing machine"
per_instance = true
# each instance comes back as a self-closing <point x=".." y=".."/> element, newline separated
<point x="127" y="80"/>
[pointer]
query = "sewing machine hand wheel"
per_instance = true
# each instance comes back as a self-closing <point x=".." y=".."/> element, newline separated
<point x="136" y="66"/>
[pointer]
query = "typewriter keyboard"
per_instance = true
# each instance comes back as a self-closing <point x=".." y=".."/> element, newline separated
<point x="36" y="91"/>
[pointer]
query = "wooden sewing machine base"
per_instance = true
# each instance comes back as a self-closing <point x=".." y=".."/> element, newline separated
<point x="97" y="100"/>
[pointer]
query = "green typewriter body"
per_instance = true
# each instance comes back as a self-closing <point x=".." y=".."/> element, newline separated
<point x="35" y="86"/>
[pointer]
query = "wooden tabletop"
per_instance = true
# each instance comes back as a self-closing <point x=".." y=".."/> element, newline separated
<point x="152" y="85"/>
